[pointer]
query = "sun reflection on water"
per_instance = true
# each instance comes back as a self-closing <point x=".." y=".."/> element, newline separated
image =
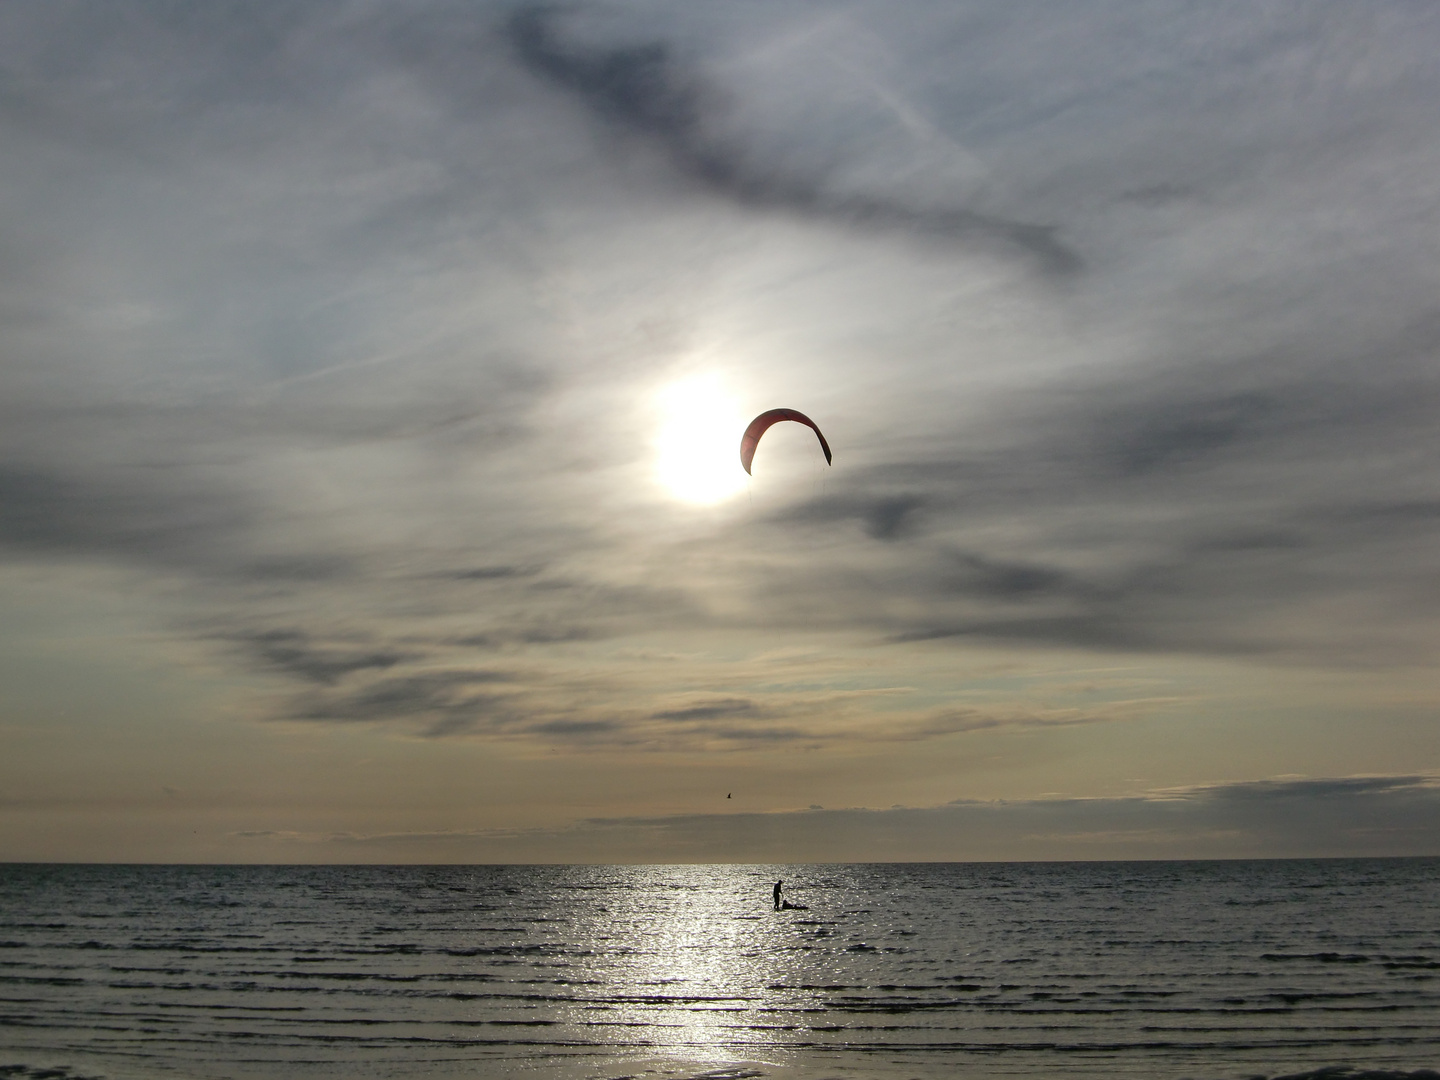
<point x="707" y="949"/>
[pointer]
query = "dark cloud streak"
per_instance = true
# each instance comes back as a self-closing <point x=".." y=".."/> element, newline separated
<point x="710" y="710"/>
<point x="294" y="652"/>
<point x="44" y="510"/>
<point x="641" y="89"/>
<point x="444" y="702"/>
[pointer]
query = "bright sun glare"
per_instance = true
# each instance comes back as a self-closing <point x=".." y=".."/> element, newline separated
<point x="698" y="445"/>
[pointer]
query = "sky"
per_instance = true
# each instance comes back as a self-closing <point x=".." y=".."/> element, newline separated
<point x="372" y="378"/>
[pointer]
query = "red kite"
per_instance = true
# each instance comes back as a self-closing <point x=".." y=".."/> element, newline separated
<point x="761" y="424"/>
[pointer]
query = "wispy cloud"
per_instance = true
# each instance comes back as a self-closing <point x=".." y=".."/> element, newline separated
<point x="292" y="651"/>
<point x="338" y="332"/>
<point x="643" y="90"/>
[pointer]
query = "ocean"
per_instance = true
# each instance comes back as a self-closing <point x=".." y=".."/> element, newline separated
<point x="969" y="970"/>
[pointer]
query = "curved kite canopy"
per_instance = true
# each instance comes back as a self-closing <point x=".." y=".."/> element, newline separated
<point x="761" y="424"/>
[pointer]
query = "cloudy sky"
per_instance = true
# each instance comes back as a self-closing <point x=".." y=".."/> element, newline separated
<point x="372" y="378"/>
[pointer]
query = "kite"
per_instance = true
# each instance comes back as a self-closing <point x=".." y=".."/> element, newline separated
<point x="761" y="424"/>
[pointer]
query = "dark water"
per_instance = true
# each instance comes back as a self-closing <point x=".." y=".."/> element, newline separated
<point x="1203" y="969"/>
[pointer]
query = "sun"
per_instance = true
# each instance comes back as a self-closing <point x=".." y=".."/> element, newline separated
<point x="697" y="445"/>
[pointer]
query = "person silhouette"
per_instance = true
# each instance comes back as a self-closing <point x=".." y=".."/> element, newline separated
<point x="777" y="893"/>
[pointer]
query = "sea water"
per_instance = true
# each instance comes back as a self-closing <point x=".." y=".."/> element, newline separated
<point x="1145" y="970"/>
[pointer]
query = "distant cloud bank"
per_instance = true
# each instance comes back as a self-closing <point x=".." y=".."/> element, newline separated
<point x="1283" y="818"/>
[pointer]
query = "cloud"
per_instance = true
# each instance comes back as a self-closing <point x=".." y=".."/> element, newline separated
<point x="1153" y="515"/>
<point x="447" y="702"/>
<point x="435" y="687"/>
<point x="1397" y="815"/>
<point x="293" y="652"/>
<point x="711" y="709"/>
<point x="44" y="510"/>
<point x="947" y="721"/>
<point x="883" y="517"/>
<point x="1283" y="818"/>
<point x="339" y="332"/>
<point x="643" y="90"/>
<point x="485" y="573"/>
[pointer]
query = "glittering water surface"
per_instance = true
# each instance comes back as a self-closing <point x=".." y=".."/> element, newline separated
<point x="1203" y="969"/>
